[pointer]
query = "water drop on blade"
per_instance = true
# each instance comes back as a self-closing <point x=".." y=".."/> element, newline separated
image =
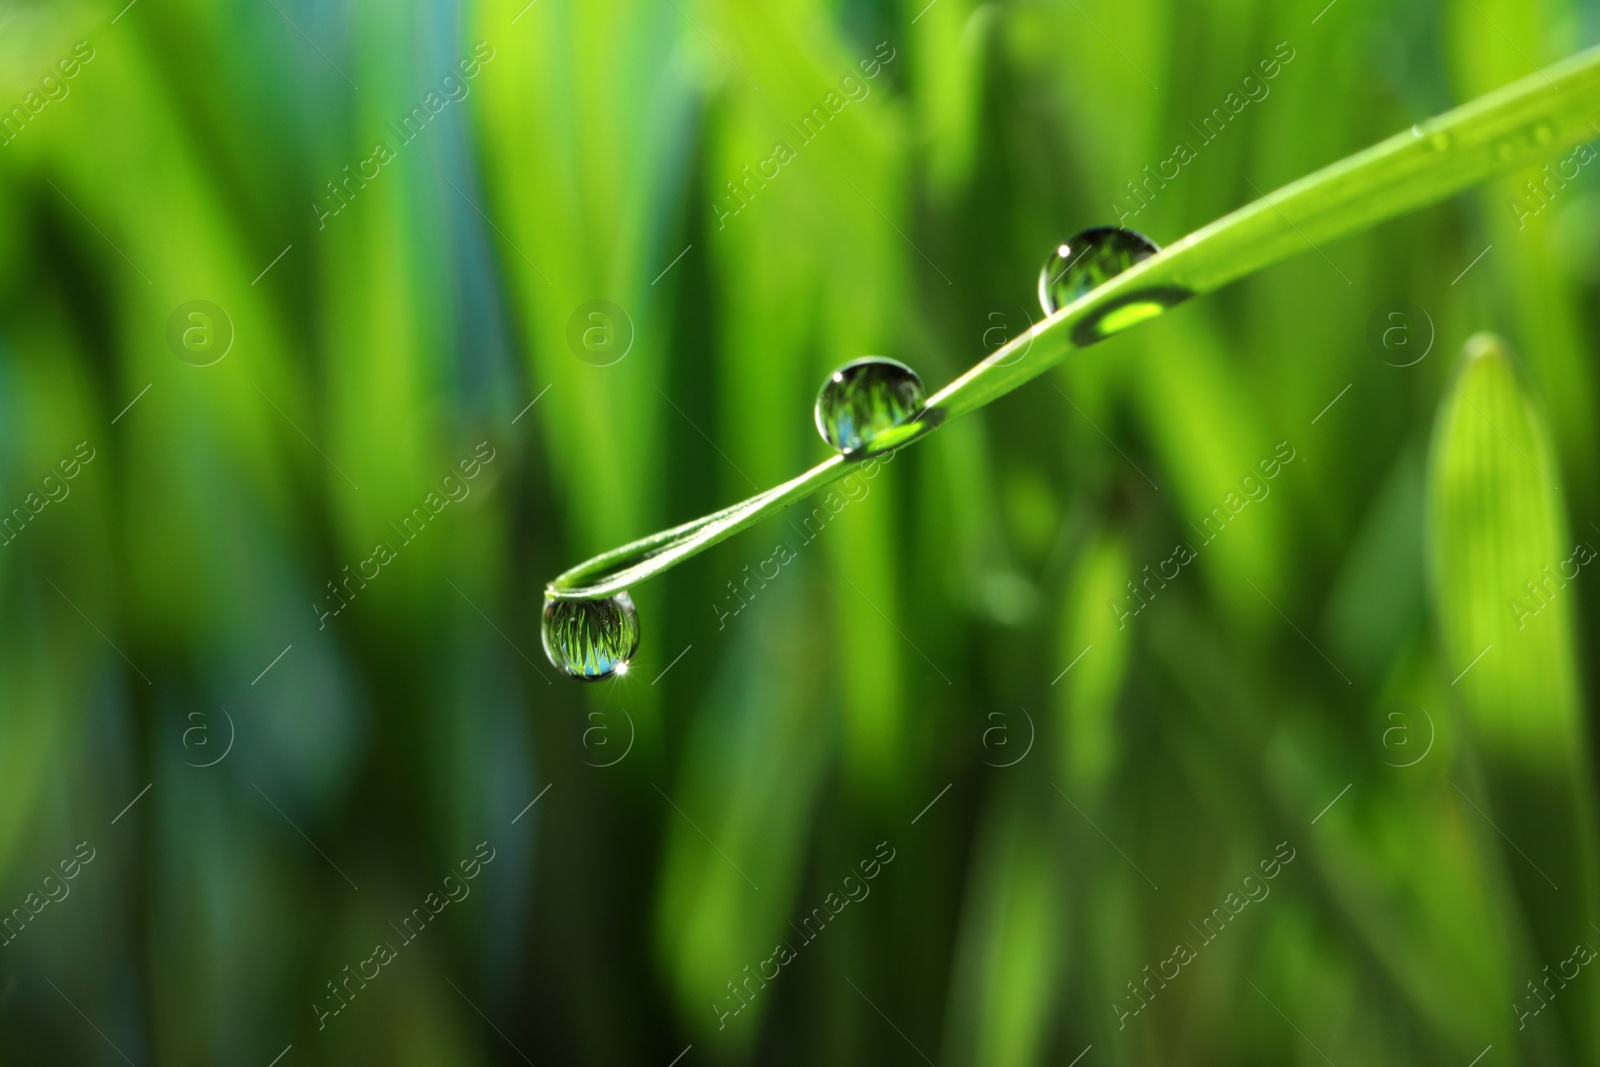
<point x="590" y="639"/>
<point x="1087" y="261"/>
<point x="864" y="400"/>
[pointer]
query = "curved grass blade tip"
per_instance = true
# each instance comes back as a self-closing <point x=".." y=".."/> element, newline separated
<point x="1513" y="127"/>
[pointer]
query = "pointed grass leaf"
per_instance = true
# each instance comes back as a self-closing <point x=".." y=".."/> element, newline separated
<point x="1502" y="567"/>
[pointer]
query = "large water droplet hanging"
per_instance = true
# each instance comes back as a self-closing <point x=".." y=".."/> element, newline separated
<point x="1087" y="262"/>
<point x="590" y="639"/>
<point x="865" y="399"/>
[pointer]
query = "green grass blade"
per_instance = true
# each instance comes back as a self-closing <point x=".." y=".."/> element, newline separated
<point x="1502" y="563"/>
<point x="1526" y="216"/>
<point x="1011" y="946"/>
<point x="1527" y="121"/>
<point x="1094" y="646"/>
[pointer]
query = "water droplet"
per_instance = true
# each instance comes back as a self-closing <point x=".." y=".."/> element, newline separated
<point x="1544" y="133"/>
<point x="1505" y="150"/>
<point x="590" y="639"/>
<point x="1088" y="261"/>
<point x="1439" y="141"/>
<point x="864" y="400"/>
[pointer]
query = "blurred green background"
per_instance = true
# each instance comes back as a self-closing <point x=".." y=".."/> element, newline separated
<point x="1218" y="698"/>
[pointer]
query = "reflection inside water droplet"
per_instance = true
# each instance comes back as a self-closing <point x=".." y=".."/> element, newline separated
<point x="590" y="639"/>
<point x="1129" y="315"/>
<point x="1087" y="261"/>
<point x="1128" y="311"/>
<point x="863" y="401"/>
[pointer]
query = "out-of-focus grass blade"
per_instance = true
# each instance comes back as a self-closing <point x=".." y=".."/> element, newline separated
<point x="736" y="820"/>
<point x="1502" y="566"/>
<point x="1009" y="951"/>
<point x="1498" y="530"/>
<point x="950" y="41"/>
<point x="585" y="106"/>
<point x="1495" y="41"/>
<point x="1094" y="652"/>
<point x="1206" y="421"/>
<point x="835" y="204"/>
<point x="1110" y="142"/>
<point x="1378" y="601"/>
<point x="1397" y="862"/>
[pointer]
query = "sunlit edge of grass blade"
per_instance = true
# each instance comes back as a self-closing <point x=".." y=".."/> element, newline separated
<point x="662" y="550"/>
<point x="1505" y="130"/>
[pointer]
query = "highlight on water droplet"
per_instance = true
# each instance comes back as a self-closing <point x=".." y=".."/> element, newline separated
<point x="590" y="639"/>
<point x="1087" y="261"/>
<point x="863" y="401"/>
